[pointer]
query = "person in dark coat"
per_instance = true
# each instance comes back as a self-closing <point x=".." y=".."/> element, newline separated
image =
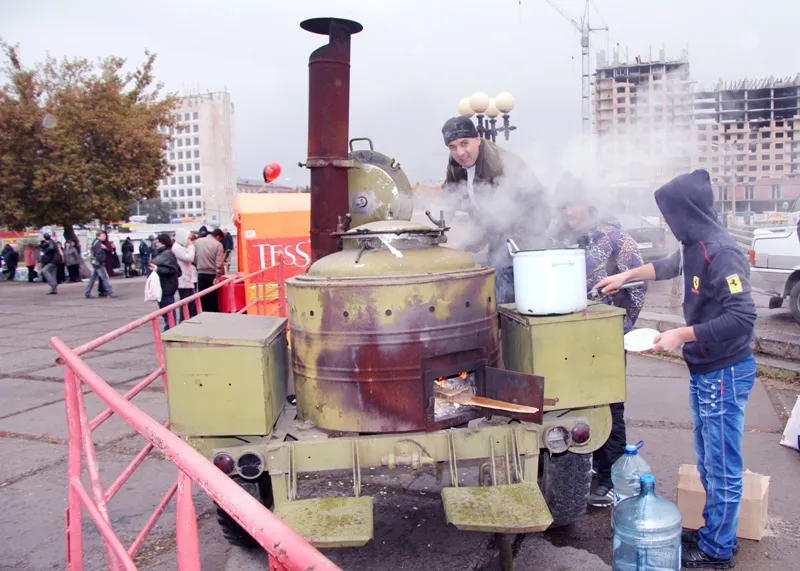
<point x="127" y="257"/>
<point x="145" y="252"/>
<point x="227" y="246"/>
<point x="11" y="259"/>
<point x="99" y="272"/>
<point x="51" y="257"/>
<point x="61" y="275"/>
<point x="165" y="264"/>
<point x="111" y="264"/>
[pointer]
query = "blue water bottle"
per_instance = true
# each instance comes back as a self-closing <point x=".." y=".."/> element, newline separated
<point x="647" y="531"/>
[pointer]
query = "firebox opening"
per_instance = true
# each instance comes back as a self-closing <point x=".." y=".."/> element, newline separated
<point x="448" y="391"/>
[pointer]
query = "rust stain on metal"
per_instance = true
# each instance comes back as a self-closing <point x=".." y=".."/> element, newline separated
<point x="375" y="341"/>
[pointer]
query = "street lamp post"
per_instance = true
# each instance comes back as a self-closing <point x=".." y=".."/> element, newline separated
<point x="488" y="109"/>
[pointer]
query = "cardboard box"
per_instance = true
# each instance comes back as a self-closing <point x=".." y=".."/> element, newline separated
<point x="752" y="510"/>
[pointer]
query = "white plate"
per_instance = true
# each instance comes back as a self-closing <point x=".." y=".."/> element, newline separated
<point x="640" y="340"/>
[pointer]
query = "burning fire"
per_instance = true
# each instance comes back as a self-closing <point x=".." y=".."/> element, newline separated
<point x="442" y="381"/>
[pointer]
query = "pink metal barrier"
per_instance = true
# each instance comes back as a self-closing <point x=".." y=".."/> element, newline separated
<point x="287" y="551"/>
<point x="263" y="292"/>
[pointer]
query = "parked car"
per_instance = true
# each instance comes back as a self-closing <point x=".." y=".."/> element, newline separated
<point x="651" y="237"/>
<point x="775" y="266"/>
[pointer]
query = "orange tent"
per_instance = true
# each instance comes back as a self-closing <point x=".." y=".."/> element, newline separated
<point x="271" y="225"/>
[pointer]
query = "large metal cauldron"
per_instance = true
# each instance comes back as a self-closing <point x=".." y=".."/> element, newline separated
<point x="374" y="325"/>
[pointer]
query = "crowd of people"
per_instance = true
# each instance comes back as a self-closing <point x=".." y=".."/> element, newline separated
<point x="49" y="261"/>
<point x="54" y="262"/>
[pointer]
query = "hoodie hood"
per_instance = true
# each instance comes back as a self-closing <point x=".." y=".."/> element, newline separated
<point x="687" y="204"/>
<point x="182" y="236"/>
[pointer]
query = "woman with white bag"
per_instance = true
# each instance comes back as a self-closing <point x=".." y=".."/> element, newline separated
<point x="165" y="265"/>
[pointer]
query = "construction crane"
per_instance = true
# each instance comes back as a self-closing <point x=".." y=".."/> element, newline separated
<point x="585" y="30"/>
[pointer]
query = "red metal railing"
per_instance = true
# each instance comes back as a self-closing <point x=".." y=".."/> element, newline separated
<point x="287" y="550"/>
<point x="262" y="292"/>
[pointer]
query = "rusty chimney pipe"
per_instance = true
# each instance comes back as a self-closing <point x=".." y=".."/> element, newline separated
<point x="328" y="129"/>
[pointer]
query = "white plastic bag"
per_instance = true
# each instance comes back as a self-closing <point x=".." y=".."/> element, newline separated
<point x="152" y="288"/>
<point x="791" y="434"/>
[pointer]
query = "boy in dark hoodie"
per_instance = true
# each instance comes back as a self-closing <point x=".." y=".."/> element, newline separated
<point x="720" y="316"/>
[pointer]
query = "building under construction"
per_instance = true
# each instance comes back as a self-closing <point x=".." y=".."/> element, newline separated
<point x="749" y="129"/>
<point x="643" y="113"/>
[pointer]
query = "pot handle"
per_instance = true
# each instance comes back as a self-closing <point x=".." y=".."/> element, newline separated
<point x="511" y="244"/>
<point x="565" y="262"/>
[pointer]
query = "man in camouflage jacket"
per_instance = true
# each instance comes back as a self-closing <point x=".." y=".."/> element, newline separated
<point x="609" y="250"/>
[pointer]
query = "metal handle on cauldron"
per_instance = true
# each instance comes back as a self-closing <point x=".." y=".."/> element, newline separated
<point x="596" y="293"/>
<point x="511" y="244"/>
<point x="440" y="223"/>
<point x="367" y="139"/>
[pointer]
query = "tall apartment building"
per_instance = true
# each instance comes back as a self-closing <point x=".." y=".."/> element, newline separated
<point x="643" y="115"/>
<point x="203" y="180"/>
<point x="748" y="129"/>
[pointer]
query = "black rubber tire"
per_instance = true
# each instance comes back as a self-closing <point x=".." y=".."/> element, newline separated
<point x="794" y="302"/>
<point x="565" y="483"/>
<point x="260" y="489"/>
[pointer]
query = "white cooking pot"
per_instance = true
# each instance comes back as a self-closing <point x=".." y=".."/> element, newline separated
<point x="549" y="282"/>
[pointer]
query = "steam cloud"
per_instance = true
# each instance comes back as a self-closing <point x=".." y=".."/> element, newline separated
<point x="621" y="171"/>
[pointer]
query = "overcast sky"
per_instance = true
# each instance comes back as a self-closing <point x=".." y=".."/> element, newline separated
<point x="412" y="63"/>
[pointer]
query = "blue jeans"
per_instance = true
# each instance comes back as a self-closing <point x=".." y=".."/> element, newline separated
<point x="718" y="400"/>
<point x="165" y="301"/>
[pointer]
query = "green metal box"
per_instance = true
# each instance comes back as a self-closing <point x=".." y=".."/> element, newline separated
<point x="226" y="374"/>
<point x="580" y="355"/>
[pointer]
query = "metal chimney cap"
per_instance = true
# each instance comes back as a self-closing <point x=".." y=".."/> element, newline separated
<point x="323" y="25"/>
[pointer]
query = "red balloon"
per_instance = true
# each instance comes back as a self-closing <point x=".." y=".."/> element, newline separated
<point x="271" y="172"/>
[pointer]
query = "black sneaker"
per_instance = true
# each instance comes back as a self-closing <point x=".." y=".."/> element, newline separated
<point x="602" y="497"/>
<point x="691" y="538"/>
<point x="692" y="557"/>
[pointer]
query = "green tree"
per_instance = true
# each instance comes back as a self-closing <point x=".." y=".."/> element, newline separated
<point x="78" y="140"/>
<point x="157" y="211"/>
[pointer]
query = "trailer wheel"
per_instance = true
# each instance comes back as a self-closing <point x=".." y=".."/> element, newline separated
<point x="794" y="298"/>
<point x="565" y="483"/>
<point x="260" y="489"/>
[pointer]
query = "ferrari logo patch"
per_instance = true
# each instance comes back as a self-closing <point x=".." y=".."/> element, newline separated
<point x="695" y="285"/>
<point x="734" y="283"/>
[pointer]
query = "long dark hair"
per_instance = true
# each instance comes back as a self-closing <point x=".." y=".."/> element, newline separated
<point x="165" y="240"/>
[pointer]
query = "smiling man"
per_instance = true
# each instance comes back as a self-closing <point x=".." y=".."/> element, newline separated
<point x="720" y="317"/>
<point x="500" y="193"/>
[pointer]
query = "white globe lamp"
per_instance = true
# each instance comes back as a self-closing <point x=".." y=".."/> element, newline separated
<point x="504" y="102"/>
<point x="492" y="110"/>
<point x="479" y="102"/>
<point x="464" y="108"/>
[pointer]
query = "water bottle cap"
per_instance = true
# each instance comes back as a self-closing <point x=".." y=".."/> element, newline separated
<point x="647" y="479"/>
<point x="633" y="448"/>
